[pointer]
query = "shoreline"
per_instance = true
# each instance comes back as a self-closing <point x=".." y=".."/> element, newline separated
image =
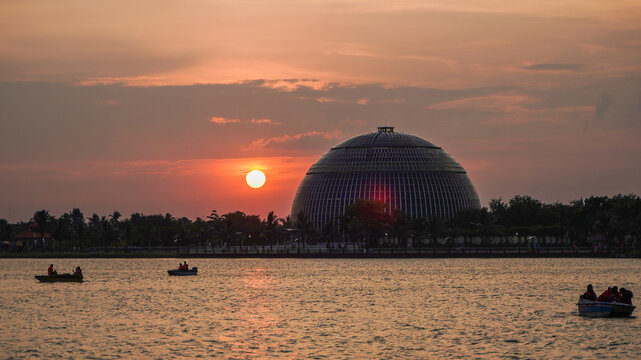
<point x="347" y="255"/>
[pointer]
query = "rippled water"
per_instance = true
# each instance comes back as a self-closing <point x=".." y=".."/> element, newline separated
<point x="301" y="308"/>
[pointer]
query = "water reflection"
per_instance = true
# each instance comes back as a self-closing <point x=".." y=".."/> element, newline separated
<point x="259" y="331"/>
<point x="288" y="308"/>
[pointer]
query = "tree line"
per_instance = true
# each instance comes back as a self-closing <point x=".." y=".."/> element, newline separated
<point x="617" y="218"/>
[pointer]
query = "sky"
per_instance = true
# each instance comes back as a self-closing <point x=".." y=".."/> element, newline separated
<point x="164" y="106"/>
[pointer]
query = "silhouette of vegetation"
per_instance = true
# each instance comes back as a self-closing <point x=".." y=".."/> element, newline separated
<point x="614" y="221"/>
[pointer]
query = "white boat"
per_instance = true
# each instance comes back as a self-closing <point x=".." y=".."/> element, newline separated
<point x="177" y="272"/>
<point x="604" y="309"/>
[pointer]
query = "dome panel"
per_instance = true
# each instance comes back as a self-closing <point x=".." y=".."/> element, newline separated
<point x="404" y="171"/>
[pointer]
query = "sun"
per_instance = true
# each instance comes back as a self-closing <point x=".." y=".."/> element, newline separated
<point x="255" y="179"/>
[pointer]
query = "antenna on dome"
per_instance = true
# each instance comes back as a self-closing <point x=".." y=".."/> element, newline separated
<point x="387" y="129"/>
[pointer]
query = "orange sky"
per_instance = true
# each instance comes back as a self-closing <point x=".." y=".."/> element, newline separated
<point x="161" y="106"/>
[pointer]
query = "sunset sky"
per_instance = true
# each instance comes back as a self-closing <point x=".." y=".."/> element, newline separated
<point x="164" y="106"/>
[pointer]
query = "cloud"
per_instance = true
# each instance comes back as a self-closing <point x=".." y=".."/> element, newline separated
<point x="265" y="121"/>
<point x="173" y="122"/>
<point x="354" y="121"/>
<point x="540" y="115"/>
<point x="555" y="67"/>
<point x="219" y="120"/>
<point x="360" y="101"/>
<point x="123" y="80"/>
<point x="107" y="102"/>
<point x="604" y="104"/>
<point x="289" y="85"/>
<point x="491" y="103"/>
<point x="291" y="141"/>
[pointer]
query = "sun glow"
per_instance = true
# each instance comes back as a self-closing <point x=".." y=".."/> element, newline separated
<point x="255" y="179"/>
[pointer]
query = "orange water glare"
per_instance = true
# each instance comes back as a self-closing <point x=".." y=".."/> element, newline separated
<point x="258" y="313"/>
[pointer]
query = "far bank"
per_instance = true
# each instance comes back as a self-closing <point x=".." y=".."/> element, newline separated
<point x="319" y="252"/>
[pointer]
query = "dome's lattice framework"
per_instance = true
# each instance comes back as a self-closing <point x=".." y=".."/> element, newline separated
<point x="405" y="171"/>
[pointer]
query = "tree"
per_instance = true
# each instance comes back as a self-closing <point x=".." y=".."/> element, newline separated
<point x="368" y="220"/>
<point x="95" y="231"/>
<point x="330" y="232"/>
<point x="79" y="228"/>
<point x="114" y="235"/>
<point x="304" y="226"/>
<point x="5" y="230"/>
<point x="232" y="224"/>
<point x="270" y="228"/>
<point x="63" y="230"/>
<point x="524" y="211"/>
<point x="42" y="221"/>
<point x="435" y="227"/>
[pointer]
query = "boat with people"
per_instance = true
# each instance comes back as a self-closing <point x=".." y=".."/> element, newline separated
<point x="60" y="278"/>
<point x="614" y="302"/>
<point x="183" y="270"/>
<point x="53" y="276"/>
<point x="604" y="309"/>
<point x="179" y="272"/>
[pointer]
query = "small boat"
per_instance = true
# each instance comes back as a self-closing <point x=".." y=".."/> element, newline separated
<point x="60" y="278"/>
<point x="604" y="309"/>
<point x="178" y="272"/>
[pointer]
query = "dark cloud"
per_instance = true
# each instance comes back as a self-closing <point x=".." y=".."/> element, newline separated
<point x="313" y="140"/>
<point x="555" y="67"/>
<point x="81" y="59"/>
<point x="41" y="122"/>
<point x="603" y="105"/>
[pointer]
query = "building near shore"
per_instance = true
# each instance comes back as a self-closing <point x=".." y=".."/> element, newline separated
<point x="32" y="240"/>
<point x="404" y="171"/>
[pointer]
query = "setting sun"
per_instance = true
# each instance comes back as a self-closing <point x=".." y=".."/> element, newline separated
<point x="255" y="179"/>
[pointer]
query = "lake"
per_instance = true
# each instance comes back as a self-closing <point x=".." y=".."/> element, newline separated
<point x="315" y="309"/>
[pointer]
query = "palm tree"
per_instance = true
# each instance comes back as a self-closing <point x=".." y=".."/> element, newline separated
<point x="5" y="230"/>
<point x="271" y="227"/>
<point x="79" y="227"/>
<point x="42" y="220"/>
<point x="304" y="226"/>
<point x="330" y="232"/>
<point x="63" y="230"/>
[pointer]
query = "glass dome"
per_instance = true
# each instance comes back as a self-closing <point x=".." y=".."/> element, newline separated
<point x="402" y="170"/>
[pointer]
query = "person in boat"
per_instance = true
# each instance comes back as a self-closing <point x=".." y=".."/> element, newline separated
<point x="185" y="266"/>
<point x="589" y="294"/>
<point x="625" y="296"/>
<point x="78" y="271"/>
<point x="51" y="271"/>
<point x="180" y="266"/>
<point x="609" y="295"/>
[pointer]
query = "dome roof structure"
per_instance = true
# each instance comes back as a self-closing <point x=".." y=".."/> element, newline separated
<point x="402" y="170"/>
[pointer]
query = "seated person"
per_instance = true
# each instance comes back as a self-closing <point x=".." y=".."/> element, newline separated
<point x="78" y="271"/>
<point x="180" y="266"/>
<point x="625" y="296"/>
<point x="609" y="295"/>
<point x="589" y="294"/>
<point x="51" y="271"/>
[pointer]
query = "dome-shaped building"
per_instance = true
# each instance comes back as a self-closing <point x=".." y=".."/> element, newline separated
<point x="402" y="170"/>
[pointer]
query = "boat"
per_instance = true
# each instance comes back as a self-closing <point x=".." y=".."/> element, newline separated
<point x="604" y="309"/>
<point x="60" y="278"/>
<point x="178" y="272"/>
